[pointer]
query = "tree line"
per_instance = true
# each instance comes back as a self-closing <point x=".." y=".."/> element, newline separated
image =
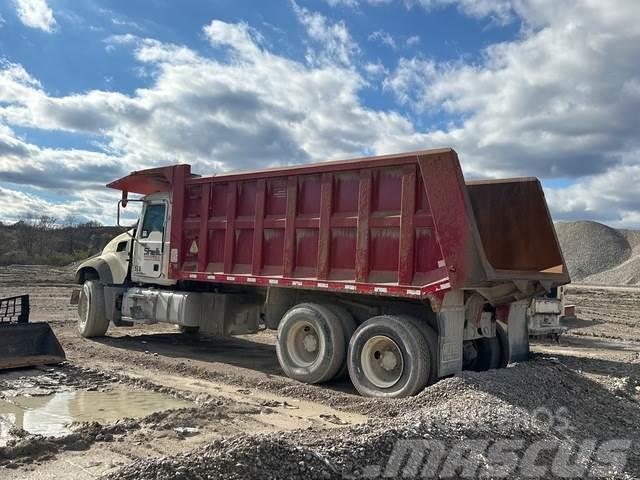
<point x="46" y="240"/>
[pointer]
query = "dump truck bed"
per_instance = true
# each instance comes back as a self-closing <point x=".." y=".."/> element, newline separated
<point x="403" y="225"/>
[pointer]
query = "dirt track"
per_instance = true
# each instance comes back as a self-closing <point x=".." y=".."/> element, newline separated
<point x="235" y="386"/>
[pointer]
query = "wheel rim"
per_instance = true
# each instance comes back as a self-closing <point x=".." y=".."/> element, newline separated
<point x="83" y="307"/>
<point x="382" y="361"/>
<point x="303" y="344"/>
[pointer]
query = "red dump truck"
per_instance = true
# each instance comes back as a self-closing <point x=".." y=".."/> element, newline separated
<point x="390" y="268"/>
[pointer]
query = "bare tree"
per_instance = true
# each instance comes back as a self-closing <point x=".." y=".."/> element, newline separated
<point x="25" y="234"/>
<point x="43" y="228"/>
<point x="70" y="224"/>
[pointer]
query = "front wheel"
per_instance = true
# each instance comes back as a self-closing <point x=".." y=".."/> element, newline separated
<point x="92" y="317"/>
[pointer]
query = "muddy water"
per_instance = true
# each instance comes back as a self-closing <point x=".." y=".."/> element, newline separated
<point x="52" y="415"/>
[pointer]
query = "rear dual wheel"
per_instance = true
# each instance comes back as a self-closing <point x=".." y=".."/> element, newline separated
<point x="312" y="342"/>
<point x="488" y="353"/>
<point x="392" y="356"/>
<point x="387" y="356"/>
<point x="188" y="330"/>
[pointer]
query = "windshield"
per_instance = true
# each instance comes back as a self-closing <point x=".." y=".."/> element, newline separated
<point x="153" y="219"/>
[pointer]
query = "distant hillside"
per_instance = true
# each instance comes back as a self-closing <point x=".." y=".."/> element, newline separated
<point x="43" y="241"/>
<point x="598" y="254"/>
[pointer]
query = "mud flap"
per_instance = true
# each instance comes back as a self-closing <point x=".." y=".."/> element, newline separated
<point x="28" y="344"/>
<point x="450" y="334"/>
<point x="517" y="332"/>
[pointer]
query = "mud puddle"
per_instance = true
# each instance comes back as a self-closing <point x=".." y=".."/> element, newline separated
<point x="54" y="414"/>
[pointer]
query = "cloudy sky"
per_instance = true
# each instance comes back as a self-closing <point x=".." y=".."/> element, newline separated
<point x="94" y="89"/>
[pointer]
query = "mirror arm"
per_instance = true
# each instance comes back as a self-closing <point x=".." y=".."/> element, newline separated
<point x="123" y="203"/>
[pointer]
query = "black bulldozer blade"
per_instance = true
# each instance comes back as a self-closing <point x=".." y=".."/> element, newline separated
<point x="28" y="344"/>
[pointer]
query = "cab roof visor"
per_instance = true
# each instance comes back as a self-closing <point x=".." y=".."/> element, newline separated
<point x="152" y="180"/>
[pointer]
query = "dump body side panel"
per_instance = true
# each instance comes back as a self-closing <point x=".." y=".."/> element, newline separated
<point x="401" y="225"/>
<point x="364" y="226"/>
<point x="454" y="219"/>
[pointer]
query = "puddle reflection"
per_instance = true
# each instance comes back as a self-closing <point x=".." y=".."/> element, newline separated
<point x="52" y="415"/>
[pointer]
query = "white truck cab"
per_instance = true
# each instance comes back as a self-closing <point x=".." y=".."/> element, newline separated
<point x="150" y="254"/>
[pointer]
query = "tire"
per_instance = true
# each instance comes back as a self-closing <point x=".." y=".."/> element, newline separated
<point x="488" y="354"/>
<point x="400" y="344"/>
<point x="349" y="326"/>
<point x="188" y="330"/>
<point x="431" y="337"/>
<point x="92" y="318"/>
<point x="311" y="344"/>
<point x="501" y="333"/>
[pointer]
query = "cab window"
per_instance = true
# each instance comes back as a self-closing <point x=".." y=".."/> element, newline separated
<point x="153" y="219"/>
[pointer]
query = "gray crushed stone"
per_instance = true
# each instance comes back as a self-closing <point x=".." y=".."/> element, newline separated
<point x="538" y="400"/>
<point x="591" y="247"/>
<point x="627" y="273"/>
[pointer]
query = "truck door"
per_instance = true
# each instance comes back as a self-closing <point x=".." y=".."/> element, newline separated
<point x="149" y="247"/>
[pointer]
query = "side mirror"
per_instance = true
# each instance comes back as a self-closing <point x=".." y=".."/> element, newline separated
<point x="122" y="204"/>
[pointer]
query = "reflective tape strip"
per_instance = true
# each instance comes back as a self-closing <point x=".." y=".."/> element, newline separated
<point x="369" y="289"/>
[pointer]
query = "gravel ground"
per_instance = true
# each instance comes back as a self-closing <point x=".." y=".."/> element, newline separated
<point x="605" y="312"/>
<point x="268" y="426"/>
<point x="541" y="401"/>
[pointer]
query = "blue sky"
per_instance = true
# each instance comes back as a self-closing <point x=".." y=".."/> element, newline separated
<point x="74" y="58"/>
<point x="93" y="89"/>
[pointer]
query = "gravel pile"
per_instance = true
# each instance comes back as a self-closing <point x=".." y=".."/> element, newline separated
<point x="538" y="401"/>
<point x="590" y="247"/>
<point x="627" y="273"/>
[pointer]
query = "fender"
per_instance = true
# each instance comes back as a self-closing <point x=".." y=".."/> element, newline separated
<point x="94" y="267"/>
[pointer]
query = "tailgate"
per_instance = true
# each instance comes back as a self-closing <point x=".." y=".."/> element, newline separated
<point x="516" y="230"/>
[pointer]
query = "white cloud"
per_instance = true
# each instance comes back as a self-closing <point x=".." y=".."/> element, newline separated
<point x="253" y="109"/>
<point x="383" y="37"/>
<point x="409" y="81"/>
<point x="346" y="3"/>
<point x="35" y="14"/>
<point x="611" y="197"/>
<point x="500" y="11"/>
<point x="355" y="3"/>
<point x="561" y="101"/>
<point x="375" y="69"/>
<point x="412" y="40"/>
<point x="336" y="43"/>
<point x="56" y="170"/>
